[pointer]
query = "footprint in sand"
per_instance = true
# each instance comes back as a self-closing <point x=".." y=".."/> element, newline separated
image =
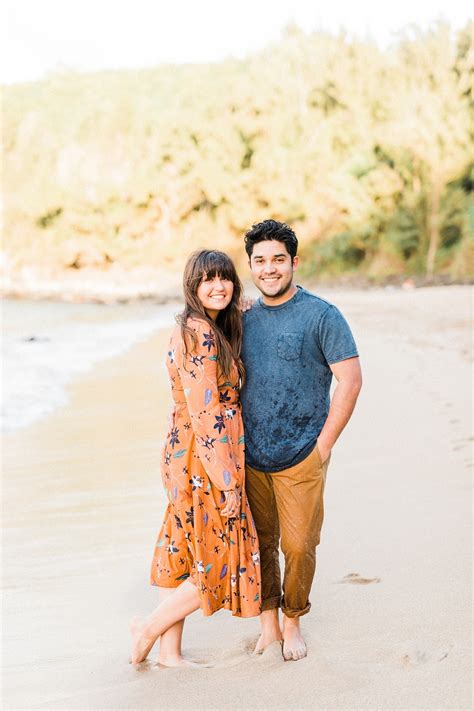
<point x="414" y="654"/>
<point x="356" y="579"/>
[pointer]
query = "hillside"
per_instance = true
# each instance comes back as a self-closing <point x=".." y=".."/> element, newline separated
<point x="366" y="153"/>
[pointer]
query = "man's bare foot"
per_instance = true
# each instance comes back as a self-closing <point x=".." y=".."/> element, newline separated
<point x="271" y="631"/>
<point x="141" y="644"/>
<point x="294" y="646"/>
<point x="265" y="641"/>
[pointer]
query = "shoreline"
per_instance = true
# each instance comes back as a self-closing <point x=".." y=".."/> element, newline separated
<point x="98" y="287"/>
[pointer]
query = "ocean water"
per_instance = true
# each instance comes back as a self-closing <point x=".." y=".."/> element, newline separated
<point x="45" y="345"/>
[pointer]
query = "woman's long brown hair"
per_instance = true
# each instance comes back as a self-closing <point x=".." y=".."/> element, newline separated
<point x="206" y="264"/>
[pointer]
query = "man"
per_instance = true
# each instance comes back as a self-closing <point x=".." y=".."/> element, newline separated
<point x="294" y="342"/>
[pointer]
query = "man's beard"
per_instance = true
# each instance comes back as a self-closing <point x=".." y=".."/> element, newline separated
<point x="282" y="290"/>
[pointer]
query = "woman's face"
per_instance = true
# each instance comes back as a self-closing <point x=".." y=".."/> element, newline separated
<point x="215" y="294"/>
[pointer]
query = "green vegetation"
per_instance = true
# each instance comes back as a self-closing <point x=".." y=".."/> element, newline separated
<point x="368" y="154"/>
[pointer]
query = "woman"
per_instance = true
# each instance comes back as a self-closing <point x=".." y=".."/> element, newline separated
<point x="206" y="554"/>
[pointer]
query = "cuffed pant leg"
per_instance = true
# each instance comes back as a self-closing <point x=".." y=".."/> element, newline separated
<point x="259" y="488"/>
<point x="299" y="499"/>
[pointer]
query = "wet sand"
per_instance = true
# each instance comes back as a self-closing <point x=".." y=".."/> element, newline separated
<point x="390" y="623"/>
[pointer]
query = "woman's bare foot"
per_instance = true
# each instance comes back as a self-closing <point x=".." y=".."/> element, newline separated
<point x="294" y="646"/>
<point x="141" y="643"/>
<point x="184" y="600"/>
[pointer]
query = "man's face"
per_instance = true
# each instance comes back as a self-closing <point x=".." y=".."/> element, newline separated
<point x="272" y="268"/>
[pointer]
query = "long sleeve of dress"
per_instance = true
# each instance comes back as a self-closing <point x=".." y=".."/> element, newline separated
<point x="209" y="418"/>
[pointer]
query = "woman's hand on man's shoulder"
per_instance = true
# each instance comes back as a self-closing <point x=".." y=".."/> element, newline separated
<point x="246" y="303"/>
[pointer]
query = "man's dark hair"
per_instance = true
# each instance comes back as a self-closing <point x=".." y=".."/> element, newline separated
<point x="271" y="230"/>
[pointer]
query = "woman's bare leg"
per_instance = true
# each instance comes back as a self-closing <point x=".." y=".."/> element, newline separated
<point x="170" y="641"/>
<point x="175" y="607"/>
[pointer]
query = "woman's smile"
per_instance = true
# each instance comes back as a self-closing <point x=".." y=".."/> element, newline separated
<point x="215" y="294"/>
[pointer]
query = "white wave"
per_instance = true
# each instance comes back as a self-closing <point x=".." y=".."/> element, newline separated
<point x="46" y="345"/>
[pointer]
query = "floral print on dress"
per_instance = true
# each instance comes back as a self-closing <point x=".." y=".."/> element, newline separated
<point x="203" y="455"/>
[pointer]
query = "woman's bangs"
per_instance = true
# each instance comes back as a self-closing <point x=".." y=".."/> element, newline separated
<point x="218" y="264"/>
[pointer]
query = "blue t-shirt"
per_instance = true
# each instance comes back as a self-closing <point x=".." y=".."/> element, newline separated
<point x="287" y="350"/>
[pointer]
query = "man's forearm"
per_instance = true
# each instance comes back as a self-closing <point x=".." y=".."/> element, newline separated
<point x="340" y="411"/>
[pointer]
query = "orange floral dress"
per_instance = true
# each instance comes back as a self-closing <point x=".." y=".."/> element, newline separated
<point x="203" y="456"/>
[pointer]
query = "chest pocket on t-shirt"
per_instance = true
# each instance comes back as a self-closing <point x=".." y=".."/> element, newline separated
<point x="290" y="344"/>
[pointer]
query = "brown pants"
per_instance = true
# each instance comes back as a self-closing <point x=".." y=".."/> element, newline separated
<point x="288" y="504"/>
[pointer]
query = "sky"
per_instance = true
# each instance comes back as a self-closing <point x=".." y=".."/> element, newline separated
<point x="43" y="36"/>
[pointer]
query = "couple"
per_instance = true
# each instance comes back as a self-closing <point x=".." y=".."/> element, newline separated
<point x="219" y="543"/>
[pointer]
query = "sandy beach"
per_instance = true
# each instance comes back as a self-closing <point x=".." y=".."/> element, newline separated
<point x="390" y="626"/>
